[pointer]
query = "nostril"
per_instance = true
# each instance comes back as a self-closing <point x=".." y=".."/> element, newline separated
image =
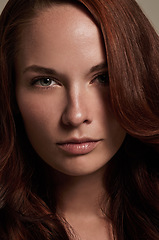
<point x="86" y="121"/>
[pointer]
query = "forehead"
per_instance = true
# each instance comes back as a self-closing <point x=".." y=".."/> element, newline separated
<point x="61" y="32"/>
<point x="62" y="20"/>
<point x="67" y="13"/>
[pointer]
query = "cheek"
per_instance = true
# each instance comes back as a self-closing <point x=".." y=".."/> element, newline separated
<point x="113" y="132"/>
<point x="40" y="114"/>
<point x="104" y="113"/>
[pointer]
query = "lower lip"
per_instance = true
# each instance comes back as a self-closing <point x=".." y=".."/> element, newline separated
<point x="78" y="148"/>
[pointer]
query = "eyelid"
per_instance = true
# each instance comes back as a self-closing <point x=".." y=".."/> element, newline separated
<point x="100" y="73"/>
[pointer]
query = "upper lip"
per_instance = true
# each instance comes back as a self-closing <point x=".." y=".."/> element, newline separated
<point x="78" y="140"/>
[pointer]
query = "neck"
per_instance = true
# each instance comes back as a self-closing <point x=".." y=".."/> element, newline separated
<point x="79" y="204"/>
<point x="80" y="195"/>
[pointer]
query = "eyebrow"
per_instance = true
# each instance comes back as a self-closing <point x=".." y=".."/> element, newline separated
<point x="98" y="67"/>
<point x="51" y="71"/>
<point x="39" y="69"/>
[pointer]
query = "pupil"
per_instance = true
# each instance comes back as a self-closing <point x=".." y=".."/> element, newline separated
<point x="104" y="78"/>
<point x="46" y="81"/>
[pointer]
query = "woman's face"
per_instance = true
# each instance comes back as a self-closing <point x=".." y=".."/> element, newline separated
<point x="62" y="91"/>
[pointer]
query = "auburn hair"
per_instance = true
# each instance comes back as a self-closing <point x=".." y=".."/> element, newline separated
<point x="132" y="181"/>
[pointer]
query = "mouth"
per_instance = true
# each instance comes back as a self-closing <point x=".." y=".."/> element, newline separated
<point x="78" y="146"/>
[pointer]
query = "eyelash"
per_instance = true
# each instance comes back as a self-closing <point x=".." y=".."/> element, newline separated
<point x="102" y="78"/>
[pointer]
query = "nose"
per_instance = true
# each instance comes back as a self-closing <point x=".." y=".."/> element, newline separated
<point x="77" y="110"/>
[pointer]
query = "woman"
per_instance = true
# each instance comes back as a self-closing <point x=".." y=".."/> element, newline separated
<point x="79" y="121"/>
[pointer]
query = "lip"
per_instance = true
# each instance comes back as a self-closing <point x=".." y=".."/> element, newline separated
<point x="78" y="146"/>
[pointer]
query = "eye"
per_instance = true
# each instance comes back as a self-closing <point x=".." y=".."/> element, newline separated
<point x="44" y="82"/>
<point x="102" y="78"/>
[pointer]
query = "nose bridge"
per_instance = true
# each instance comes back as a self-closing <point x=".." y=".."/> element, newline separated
<point x="76" y="111"/>
<point x="75" y="98"/>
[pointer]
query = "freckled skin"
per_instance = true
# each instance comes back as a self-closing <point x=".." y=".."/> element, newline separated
<point x="66" y="39"/>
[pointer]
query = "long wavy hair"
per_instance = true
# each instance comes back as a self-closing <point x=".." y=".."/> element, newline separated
<point x="132" y="181"/>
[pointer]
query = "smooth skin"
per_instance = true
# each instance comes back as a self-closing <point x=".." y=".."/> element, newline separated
<point x="62" y="91"/>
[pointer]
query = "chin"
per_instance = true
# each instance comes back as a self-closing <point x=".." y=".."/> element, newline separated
<point x="80" y="166"/>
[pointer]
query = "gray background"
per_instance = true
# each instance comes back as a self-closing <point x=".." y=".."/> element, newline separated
<point x="150" y="7"/>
